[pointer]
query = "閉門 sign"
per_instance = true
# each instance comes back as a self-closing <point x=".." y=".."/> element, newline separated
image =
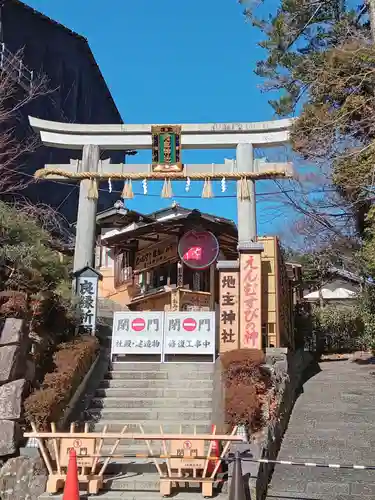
<point x="187" y="451"/>
<point x="84" y="448"/>
<point x="87" y="296"/>
<point x="137" y="332"/>
<point x="189" y="332"/>
<point x="229" y="310"/>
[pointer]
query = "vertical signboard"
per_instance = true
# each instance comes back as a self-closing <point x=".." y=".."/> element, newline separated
<point x="187" y="332"/>
<point x="250" y="301"/>
<point x="137" y="332"/>
<point x="229" y="310"/>
<point x="87" y="288"/>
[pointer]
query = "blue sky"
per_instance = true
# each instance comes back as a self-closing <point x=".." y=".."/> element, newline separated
<point x="178" y="62"/>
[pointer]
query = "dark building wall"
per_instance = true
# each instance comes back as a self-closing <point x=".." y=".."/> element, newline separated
<point x="77" y="93"/>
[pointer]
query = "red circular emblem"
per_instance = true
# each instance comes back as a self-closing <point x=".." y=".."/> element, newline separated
<point x="138" y="324"/>
<point x="187" y="445"/>
<point x="189" y="324"/>
<point x="198" y="249"/>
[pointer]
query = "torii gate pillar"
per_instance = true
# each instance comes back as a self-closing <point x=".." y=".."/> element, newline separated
<point x="86" y="216"/>
<point x="246" y="209"/>
<point x="250" y="275"/>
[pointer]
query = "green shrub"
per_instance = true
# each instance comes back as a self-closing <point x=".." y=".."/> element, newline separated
<point x="336" y="328"/>
<point x="72" y="362"/>
<point x="366" y="310"/>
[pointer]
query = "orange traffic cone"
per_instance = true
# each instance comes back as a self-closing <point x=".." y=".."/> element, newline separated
<point x="215" y="452"/>
<point x="71" y="490"/>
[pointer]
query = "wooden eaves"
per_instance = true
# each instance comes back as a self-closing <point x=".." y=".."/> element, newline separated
<point x="223" y="229"/>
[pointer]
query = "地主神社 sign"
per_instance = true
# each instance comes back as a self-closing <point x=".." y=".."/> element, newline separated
<point x="188" y="332"/>
<point x="87" y="289"/>
<point x="166" y="148"/>
<point x="229" y="310"/>
<point x="137" y="332"/>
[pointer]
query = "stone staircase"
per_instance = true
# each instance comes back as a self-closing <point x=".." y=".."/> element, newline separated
<point x="177" y="397"/>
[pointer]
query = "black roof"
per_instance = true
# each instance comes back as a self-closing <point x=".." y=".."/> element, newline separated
<point x="120" y="216"/>
<point x="186" y="211"/>
<point x="80" y="38"/>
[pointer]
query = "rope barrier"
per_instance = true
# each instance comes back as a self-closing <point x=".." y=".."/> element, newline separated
<point x="306" y="464"/>
<point x="245" y="459"/>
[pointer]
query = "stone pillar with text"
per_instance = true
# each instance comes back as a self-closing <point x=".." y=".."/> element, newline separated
<point x="229" y="286"/>
<point x="250" y="309"/>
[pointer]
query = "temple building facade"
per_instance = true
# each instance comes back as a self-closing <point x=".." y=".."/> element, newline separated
<point x="166" y="261"/>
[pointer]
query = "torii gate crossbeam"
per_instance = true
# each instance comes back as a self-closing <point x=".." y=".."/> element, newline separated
<point x="93" y="138"/>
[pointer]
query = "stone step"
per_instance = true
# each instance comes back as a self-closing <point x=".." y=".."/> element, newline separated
<point x="135" y="445"/>
<point x="132" y="465"/>
<point x="193" y="493"/>
<point x="143" y="403"/>
<point x="164" y="367"/>
<point x="131" y="447"/>
<point x="145" y="483"/>
<point x="155" y="383"/>
<point x="130" y="482"/>
<point x="141" y="482"/>
<point x="157" y="375"/>
<point x="115" y="392"/>
<point x="161" y="414"/>
<point x="153" y="426"/>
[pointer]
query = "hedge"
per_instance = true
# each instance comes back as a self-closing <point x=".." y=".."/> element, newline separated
<point x="246" y="387"/>
<point x="72" y="361"/>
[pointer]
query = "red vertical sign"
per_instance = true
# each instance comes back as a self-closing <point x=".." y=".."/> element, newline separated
<point x="250" y="303"/>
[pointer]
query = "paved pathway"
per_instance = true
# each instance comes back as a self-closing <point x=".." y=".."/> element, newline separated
<point x="333" y="421"/>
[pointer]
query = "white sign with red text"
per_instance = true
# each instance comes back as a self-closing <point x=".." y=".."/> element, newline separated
<point x="137" y="332"/>
<point x="188" y="332"/>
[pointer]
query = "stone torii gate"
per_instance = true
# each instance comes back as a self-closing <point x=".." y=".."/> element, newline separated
<point x="166" y="143"/>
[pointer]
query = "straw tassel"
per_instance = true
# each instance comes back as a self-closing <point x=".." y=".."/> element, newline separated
<point x="207" y="189"/>
<point x="130" y="189"/>
<point x="93" y="190"/>
<point x="167" y="189"/>
<point x="127" y="192"/>
<point x="243" y="192"/>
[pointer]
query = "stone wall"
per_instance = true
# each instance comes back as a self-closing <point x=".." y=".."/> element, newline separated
<point x="287" y="370"/>
<point x="14" y="348"/>
<point x="23" y="478"/>
<point x="20" y="477"/>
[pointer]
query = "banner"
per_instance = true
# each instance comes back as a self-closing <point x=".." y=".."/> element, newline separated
<point x="137" y="332"/>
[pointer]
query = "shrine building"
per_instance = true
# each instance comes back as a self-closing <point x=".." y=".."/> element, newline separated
<point x="167" y="261"/>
